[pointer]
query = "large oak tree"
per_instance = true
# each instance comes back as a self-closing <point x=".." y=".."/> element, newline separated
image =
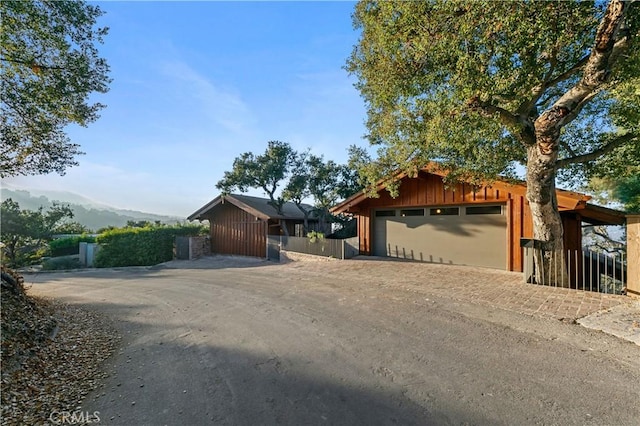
<point x="287" y="175"/>
<point x="50" y="67"/>
<point x="481" y="86"/>
<point x="265" y="171"/>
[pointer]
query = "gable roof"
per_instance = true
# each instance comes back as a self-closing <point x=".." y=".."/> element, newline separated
<point x="567" y="200"/>
<point x="256" y="206"/>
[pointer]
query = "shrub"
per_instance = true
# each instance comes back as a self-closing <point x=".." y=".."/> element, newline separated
<point x="63" y="262"/>
<point x="68" y="245"/>
<point x="315" y="236"/>
<point x="140" y="246"/>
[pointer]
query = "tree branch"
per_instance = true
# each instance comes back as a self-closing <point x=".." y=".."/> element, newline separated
<point x="568" y="148"/>
<point x="578" y="108"/>
<point x="520" y="125"/>
<point x="568" y="73"/>
<point x="596" y="74"/>
<point x="33" y="65"/>
<point x="597" y="66"/>
<point x="539" y="90"/>
<point x="595" y="154"/>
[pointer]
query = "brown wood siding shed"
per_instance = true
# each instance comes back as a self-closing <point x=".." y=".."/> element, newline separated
<point x="234" y="231"/>
<point x="239" y="224"/>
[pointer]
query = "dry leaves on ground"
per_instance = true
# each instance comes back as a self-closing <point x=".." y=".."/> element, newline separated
<point x="51" y="357"/>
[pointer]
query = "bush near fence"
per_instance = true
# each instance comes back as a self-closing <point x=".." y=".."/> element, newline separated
<point x="61" y="263"/>
<point x="68" y="245"/>
<point x="140" y="246"/>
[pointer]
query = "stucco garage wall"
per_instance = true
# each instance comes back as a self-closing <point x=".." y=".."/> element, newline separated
<point x="479" y="240"/>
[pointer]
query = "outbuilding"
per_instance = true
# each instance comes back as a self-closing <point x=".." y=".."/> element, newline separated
<point x="461" y="224"/>
<point x="241" y="224"/>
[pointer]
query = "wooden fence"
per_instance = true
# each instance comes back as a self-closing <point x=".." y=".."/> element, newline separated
<point x="339" y="249"/>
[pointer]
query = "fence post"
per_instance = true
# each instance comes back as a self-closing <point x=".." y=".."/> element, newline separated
<point x="82" y="253"/>
<point x="633" y="254"/>
<point x="527" y="244"/>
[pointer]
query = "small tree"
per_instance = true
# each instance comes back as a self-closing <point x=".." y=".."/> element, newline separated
<point x="297" y="188"/>
<point x="324" y="186"/>
<point x="68" y="227"/>
<point x="24" y="232"/>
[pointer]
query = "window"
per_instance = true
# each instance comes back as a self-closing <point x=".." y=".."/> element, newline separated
<point x="444" y="211"/>
<point x="483" y="210"/>
<point x="412" y="212"/>
<point x="385" y="213"/>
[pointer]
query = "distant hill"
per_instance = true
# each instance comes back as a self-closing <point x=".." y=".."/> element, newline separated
<point x="85" y="211"/>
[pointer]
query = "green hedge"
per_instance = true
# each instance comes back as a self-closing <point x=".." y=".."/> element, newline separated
<point x="140" y="246"/>
<point x="69" y="245"/>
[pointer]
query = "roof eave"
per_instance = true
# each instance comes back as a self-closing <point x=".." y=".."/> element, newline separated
<point x="598" y="215"/>
<point x="221" y="199"/>
<point x="197" y="215"/>
<point x="257" y="213"/>
<point x="567" y="200"/>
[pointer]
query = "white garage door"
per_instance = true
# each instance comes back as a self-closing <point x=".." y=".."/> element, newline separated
<point x="462" y="235"/>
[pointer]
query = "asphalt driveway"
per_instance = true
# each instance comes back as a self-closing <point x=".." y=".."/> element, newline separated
<point x="241" y="341"/>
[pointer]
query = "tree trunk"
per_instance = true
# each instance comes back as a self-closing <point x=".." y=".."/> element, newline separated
<point x="549" y="259"/>
<point x="283" y="226"/>
<point x="11" y="252"/>
<point x="305" y="214"/>
<point x="323" y="223"/>
<point x="542" y="149"/>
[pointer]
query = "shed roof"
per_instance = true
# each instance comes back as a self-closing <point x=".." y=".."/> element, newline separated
<point x="257" y="206"/>
<point x="567" y="200"/>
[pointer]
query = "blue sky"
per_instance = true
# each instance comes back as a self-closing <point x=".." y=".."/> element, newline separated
<point x="195" y="84"/>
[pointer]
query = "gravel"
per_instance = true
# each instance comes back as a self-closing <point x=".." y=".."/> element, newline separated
<point x="52" y="355"/>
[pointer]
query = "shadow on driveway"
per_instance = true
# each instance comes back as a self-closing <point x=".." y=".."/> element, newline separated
<point x="168" y="375"/>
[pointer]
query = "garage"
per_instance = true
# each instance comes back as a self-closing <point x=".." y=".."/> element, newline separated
<point x="460" y="235"/>
<point x="430" y="220"/>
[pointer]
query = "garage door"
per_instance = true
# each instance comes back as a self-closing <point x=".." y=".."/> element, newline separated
<point x="460" y="235"/>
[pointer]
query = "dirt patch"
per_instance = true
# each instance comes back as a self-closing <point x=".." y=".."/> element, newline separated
<point x="291" y="256"/>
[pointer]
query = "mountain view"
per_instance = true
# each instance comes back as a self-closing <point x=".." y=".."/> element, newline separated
<point x="89" y="213"/>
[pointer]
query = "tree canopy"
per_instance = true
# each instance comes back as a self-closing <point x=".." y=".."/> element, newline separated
<point x="25" y="231"/>
<point x="50" y="67"/>
<point x="624" y="189"/>
<point x="287" y="175"/>
<point x="464" y="83"/>
<point x="266" y="171"/>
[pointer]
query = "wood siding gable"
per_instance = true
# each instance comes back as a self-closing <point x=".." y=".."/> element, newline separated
<point x="235" y="231"/>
